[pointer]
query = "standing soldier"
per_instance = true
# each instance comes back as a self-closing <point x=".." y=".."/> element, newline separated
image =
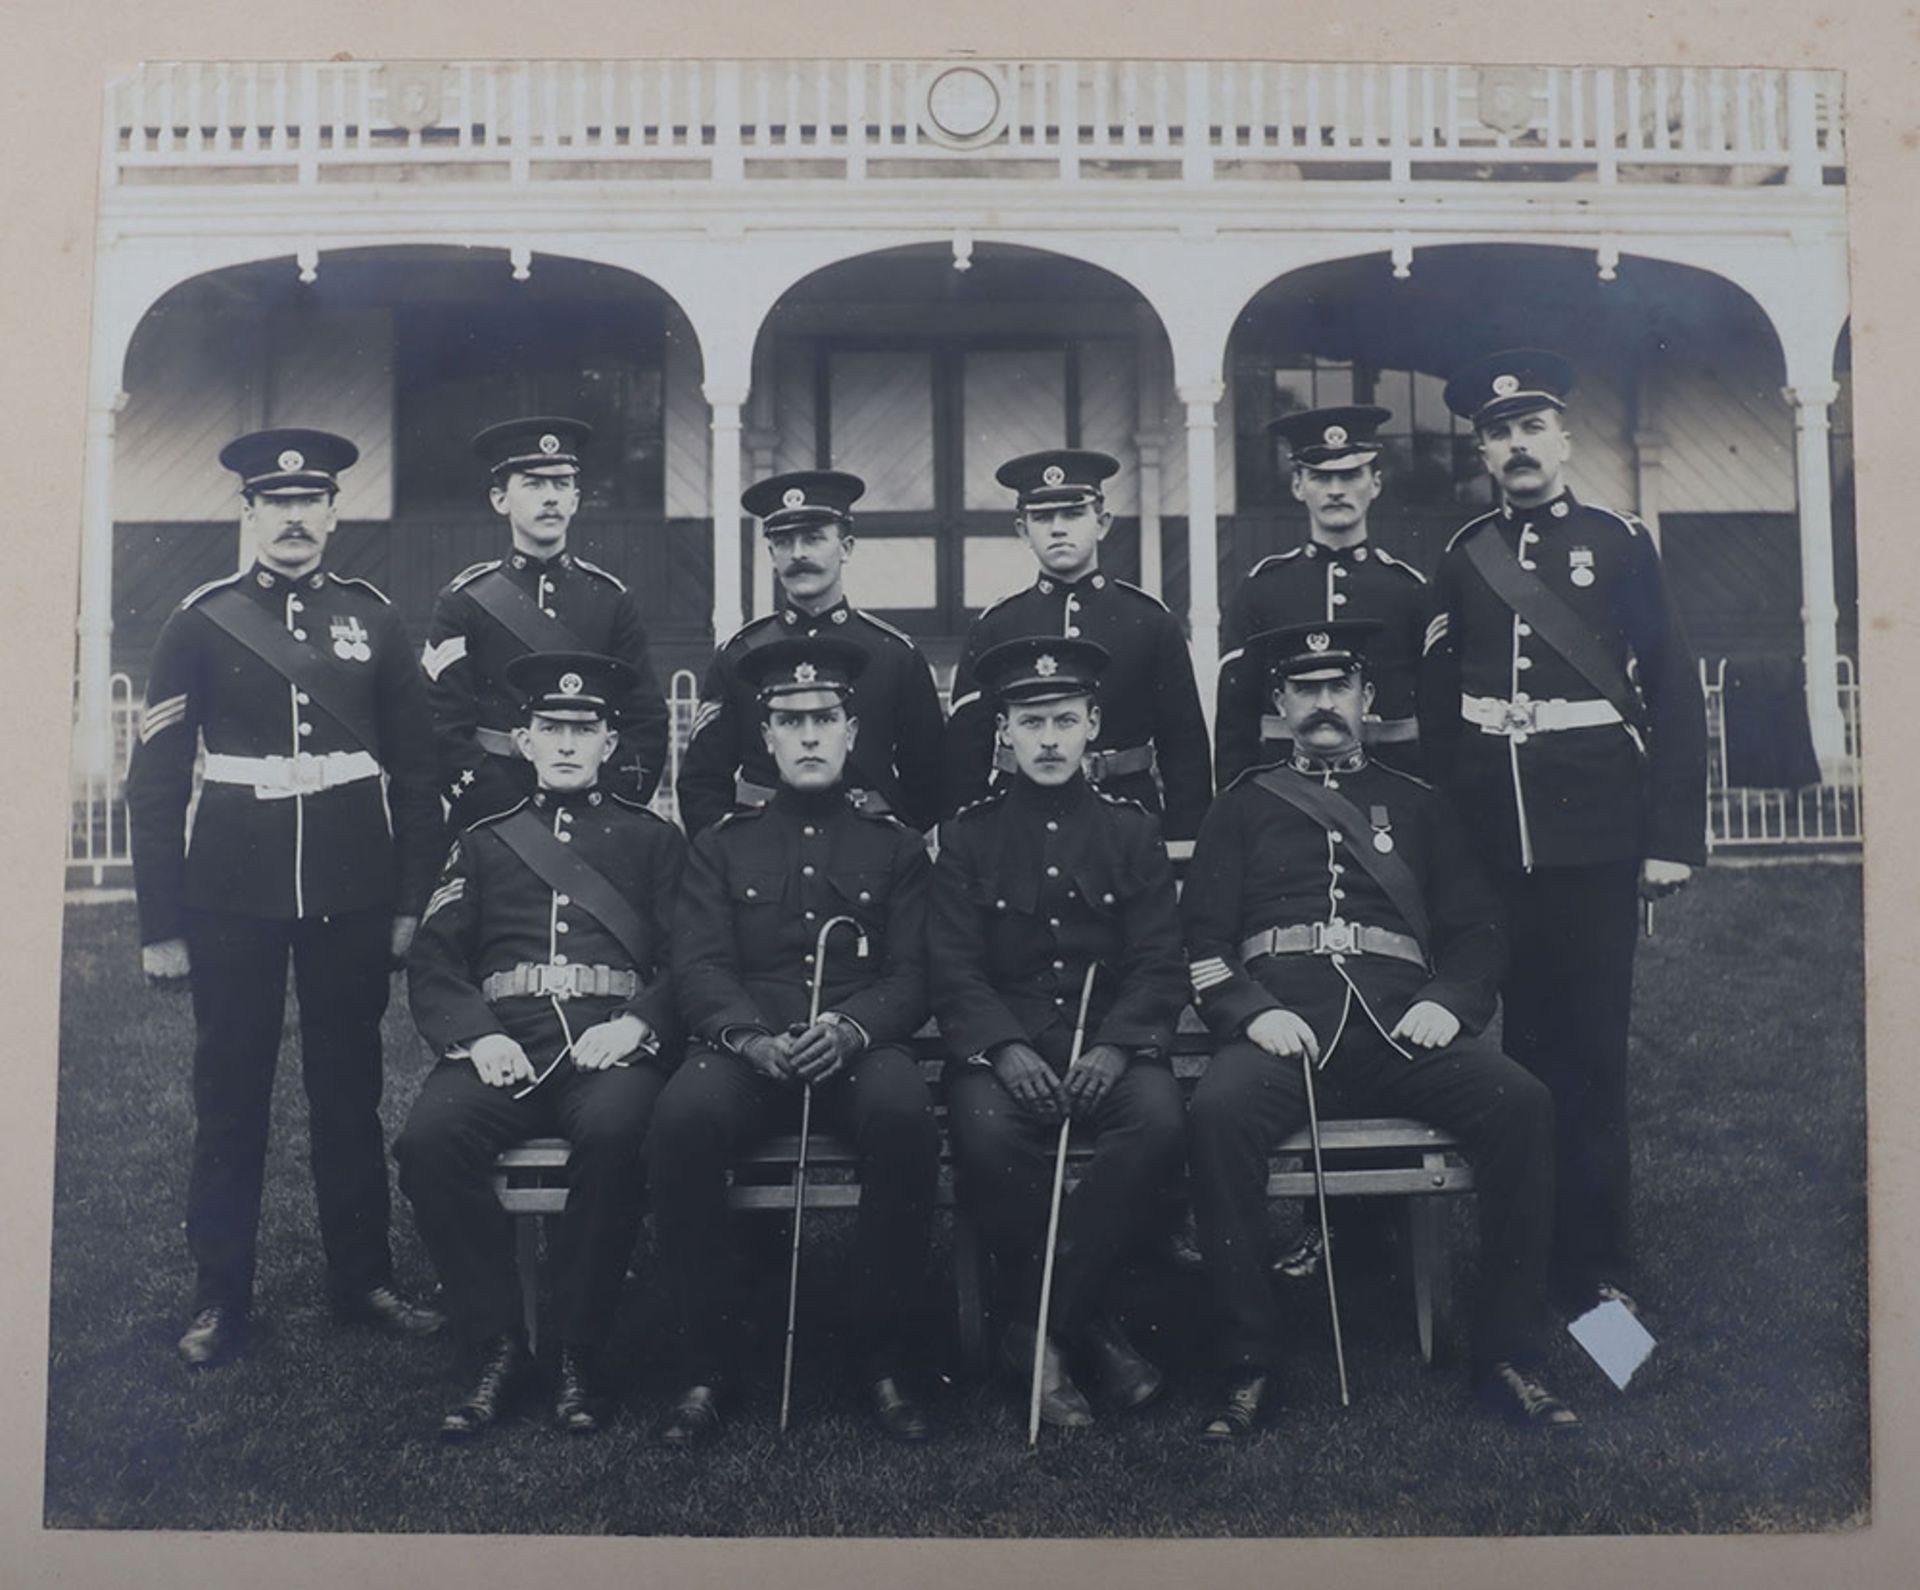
<point x="807" y="521"/>
<point x="1035" y="883"/>
<point x="304" y="689"/>
<point x="540" y="597"/>
<point x="761" y="886"/>
<point x="1153" y="723"/>
<point x="1562" y="707"/>
<point x="1336" y="574"/>
<point x="1337" y="919"/>
<point x="540" y="976"/>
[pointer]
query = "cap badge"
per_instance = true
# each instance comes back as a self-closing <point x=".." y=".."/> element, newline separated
<point x="291" y="460"/>
<point x="1505" y="385"/>
<point x="549" y="444"/>
<point x="1318" y="641"/>
<point x="571" y="684"/>
<point x="1053" y="475"/>
<point x="805" y="674"/>
<point x="1335" y="435"/>
<point x="793" y="497"/>
<point x="1045" y="665"/>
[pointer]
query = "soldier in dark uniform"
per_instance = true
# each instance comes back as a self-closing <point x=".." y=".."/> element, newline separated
<point x="1035" y="882"/>
<point x="1336" y="573"/>
<point x="760" y="886"/>
<point x="541" y="977"/>
<point x="1336" y="915"/>
<point x="304" y="688"/>
<point x="807" y="520"/>
<point x="1153" y="723"/>
<point x="1561" y="707"/>
<point x="539" y="597"/>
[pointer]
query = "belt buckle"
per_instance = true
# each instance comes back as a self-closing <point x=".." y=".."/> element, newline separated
<point x="1333" y="938"/>
<point x="554" y="982"/>
<point x="307" y="773"/>
<point x="1521" y="717"/>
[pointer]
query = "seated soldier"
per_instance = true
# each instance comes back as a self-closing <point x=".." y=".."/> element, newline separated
<point x="1037" y="883"/>
<point x="540" y="975"/>
<point x="1336" y="917"/>
<point x="764" y="887"/>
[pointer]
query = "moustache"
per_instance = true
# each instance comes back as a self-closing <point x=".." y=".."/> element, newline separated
<point x="1330" y="720"/>
<point x="1518" y="461"/>
<point x="803" y="568"/>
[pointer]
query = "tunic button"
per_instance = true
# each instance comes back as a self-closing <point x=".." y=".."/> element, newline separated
<point x="1052" y="827"/>
<point x="812" y="915"/>
<point x="299" y="634"/>
<point x="865" y="896"/>
<point x="301" y="697"/>
<point x="999" y="905"/>
<point x="1059" y="966"/>
<point x="1523" y="662"/>
<point x="1053" y="921"/>
<point x="1053" y="872"/>
<point x="1339" y="600"/>
<point x="1523" y="629"/>
<point x="808" y="832"/>
<point x="1527" y="563"/>
<point x="559" y="960"/>
<point x="1339" y="894"/>
<point x="561" y="927"/>
<point x="1107" y="899"/>
<point x="806" y="872"/>
<point x="306" y="728"/>
<point x="296" y="606"/>
<point x="563" y="899"/>
<point x="751" y="891"/>
<point x="1338" y="572"/>
<point x="566" y="817"/>
<point x="1339" y="960"/>
<point x="1338" y="870"/>
<point x="550" y="612"/>
<point x="565" y="838"/>
<point x="1333" y="783"/>
<point x="1337" y="838"/>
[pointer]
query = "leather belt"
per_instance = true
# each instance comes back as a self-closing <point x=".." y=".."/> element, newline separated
<point x="537" y="981"/>
<point x="1375" y="731"/>
<point x="274" y="778"/>
<point x="1520" y="717"/>
<point x="1097" y="765"/>
<point x="1333" y="938"/>
<point x="497" y="742"/>
<point x="748" y="793"/>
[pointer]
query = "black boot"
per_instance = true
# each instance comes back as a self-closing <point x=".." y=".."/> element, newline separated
<point x="504" y="1368"/>
<point x="1250" y="1399"/>
<point x="1126" y="1374"/>
<point x="578" y="1407"/>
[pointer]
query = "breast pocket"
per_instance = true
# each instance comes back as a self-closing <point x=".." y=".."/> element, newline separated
<point x="1107" y="890"/>
<point x="864" y="894"/>
<point x="751" y="889"/>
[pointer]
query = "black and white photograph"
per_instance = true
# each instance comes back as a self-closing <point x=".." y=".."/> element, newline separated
<point x="964" y="796"/>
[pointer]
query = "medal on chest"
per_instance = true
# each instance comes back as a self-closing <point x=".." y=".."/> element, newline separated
<point x="1382" y="825"/>
<point x="351" y="642"/>
<point x="1580" y="566"/>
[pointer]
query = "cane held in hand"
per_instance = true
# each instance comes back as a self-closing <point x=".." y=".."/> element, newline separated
<point x="800" y="1165"/>
<point x="1326" y="1237"/>
<point x="1053" y="1218"/>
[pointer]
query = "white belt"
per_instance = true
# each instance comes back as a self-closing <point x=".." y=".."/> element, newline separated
<point x="275" y="778"/>
<point x="1522" y="717"/>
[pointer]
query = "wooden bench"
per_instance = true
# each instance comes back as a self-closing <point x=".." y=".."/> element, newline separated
<point x="530" y="1180"/>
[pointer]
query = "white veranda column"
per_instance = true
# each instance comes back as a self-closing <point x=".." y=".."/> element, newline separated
<point x="1203" y="538"/>
<point x="728" y="609"/>
<point x="1819" y="611"/>
<point x="93" y="745"/>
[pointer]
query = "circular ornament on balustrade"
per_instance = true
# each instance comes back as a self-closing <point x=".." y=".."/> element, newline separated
<point x="964" y="107"/>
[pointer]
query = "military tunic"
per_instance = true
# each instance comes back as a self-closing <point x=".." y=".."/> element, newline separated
<point x="1311" y="582"/>
<point x="492" y="915"/>
<point x="759" y="886"/>
<point x="293" y="848"/>
<point x="475" y="710"/>
<point x="896" y="756"/>
<point x="1563" y="817"/>
<point x="1262" y="864"/>
<point x="1148" y="698"/>
<point x="1032" y="886"/>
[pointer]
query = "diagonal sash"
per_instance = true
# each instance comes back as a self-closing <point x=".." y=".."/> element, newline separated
<point x="1554" y="622"/>
<point x="563" y="870"/>
<point x="1338" y="814"/>
<point x="345" y="698"/>
<point x="524" y="618"/>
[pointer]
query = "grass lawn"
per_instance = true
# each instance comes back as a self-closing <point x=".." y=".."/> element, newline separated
<point x="1750" y="1198"/>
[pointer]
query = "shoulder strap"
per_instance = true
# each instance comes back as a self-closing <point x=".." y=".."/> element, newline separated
<point x="562" y="870"/>
<point x="1336" y="813"/>
<point x="247" y="623"/>
<point x="1553" y="621"/>
<point x="523" y="617"/>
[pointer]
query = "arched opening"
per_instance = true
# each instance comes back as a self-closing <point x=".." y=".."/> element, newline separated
<point x="923" y="377"/>
<point x="408" y="351"/>
<point x="1678" y="416"/>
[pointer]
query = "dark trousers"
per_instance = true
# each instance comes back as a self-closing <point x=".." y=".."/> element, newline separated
<point x="1568" y="998"/>
<point x="1248" y="1101"/>
<point x="714" y="1110"/>
<point x="446" y="1152"/>
<point x="341" y="966"/>
<point x="1004" y="1158"/>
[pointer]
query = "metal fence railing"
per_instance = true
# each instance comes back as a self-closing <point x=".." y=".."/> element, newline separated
<point x="1827" y="815"/>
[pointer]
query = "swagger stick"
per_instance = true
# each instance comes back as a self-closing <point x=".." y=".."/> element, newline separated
<point x="800" y="1166"/>
<point x="1326" y="1238"/>
<point x="1053" y="1218"/>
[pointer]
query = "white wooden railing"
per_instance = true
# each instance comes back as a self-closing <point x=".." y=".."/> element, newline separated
<point x="734" y="121"/>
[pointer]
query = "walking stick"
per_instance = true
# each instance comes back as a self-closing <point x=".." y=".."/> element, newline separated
<point x="800" y="1167"/>
<point x="1053" y="1220"/>
<point x="1326" y="1237"/>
